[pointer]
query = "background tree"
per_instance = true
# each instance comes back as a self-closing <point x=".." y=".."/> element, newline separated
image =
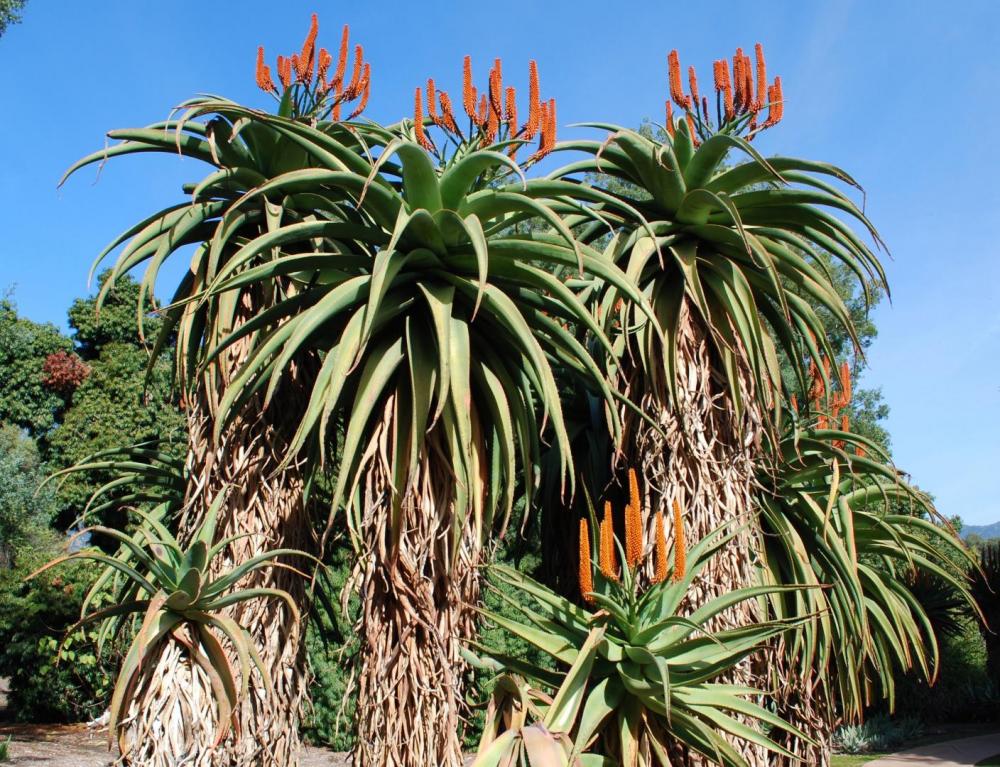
<point x="10" y="13"/>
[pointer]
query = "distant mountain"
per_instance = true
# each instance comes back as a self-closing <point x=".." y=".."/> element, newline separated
<point x="984" y="531"/>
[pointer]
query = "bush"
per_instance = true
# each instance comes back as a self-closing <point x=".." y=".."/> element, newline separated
<point x="34" y="617"/>
<point x="879" y="733"/>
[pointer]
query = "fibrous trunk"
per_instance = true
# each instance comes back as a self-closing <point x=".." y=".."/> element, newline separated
<point x="804" y="703"/>
<point x="173" y="717"/>
<point x="706" y="461"/>
<point x="419" y="585"/>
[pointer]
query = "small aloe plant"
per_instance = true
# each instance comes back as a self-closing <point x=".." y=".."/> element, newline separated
<point x="176" y="595"/>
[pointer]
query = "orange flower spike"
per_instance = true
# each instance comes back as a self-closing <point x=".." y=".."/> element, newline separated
<point x="739" y="82"/>
<point x="492" y="125"/>
<point x="432" y="102"/>
<point x="761" y="75"/>
<point x="845" y="422"/>
<point x="633" y="522"/>
<point x="779" y="102"/>
<point x="496" y="88"/>
<point x="484" y="110"/>
<point x="586" y="575"/>
<point x="659" y="551"/>
<point x="671" y="130"/>
<point x="723" y="84"/>
<point x="468" y="92"/>
<point x="295" y="67"/>
<point x="366" y="86"/>
<point x="608" y="559"/>
<point x="264" y="81"/>
<point x="323" y="63"/>
<point x="511" y="112"/>
<point x="822" y="422"/>
<point x="693" y="84"/>
<point x="335" y="111"/>
<point x="860" y="452"/>
<point x="534" y="102"/>
<point x="285" y="71"/>
<point x="704" y="108"/>
<point x="354" y="88"/>
<point x="447" y="113"/>
<point x="845" y="381"/>
<point x="308" y="56"/>
<point x="795" y="403"/>
<point x="543" y="125"/>
<point x="676" y="88"/>
<point x="680" y="544"/>
<point x="345" y="42"/>
<point x="418" y="121"/>
<point x="752" y="104"/>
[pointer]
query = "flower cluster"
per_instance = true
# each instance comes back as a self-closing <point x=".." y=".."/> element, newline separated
<point x="63" y="372"/>
<point x="828" y="405"/>
<point x="315" y="85"/>
<point x="741" y="95"/>
<point x="492" y="114"/>
<point x="634" y="546"/>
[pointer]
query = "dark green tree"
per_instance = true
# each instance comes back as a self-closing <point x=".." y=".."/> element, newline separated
<point x="10" y="13"/>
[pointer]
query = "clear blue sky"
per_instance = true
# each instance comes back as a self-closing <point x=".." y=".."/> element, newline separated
<point x="904" y="94"/>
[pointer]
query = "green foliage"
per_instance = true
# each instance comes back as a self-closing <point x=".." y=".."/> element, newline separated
<point x="10" y="13"/>
<point x="117" y="402"/>
<point x="25" y="401"/>
<point x="633" y="675"/>
<point x="877" y="734"/>
<point x="34" y="619"/>
<point x="24" y="513"/>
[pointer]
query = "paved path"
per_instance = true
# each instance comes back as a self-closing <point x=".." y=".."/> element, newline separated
<point x="951" y="753"/>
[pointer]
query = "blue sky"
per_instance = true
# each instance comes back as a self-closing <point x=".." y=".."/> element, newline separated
<point x="902" y="94"/>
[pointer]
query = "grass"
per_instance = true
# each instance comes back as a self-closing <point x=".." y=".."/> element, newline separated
<point x="853" y="760"/>
<point x="5" y="749"/>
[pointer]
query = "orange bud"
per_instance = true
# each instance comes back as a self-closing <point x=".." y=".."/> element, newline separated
<point x="680" y="545"/>
<point x="671" y="130"/>
<point x="550" y="143"/>
<point x="845" y="422"/>
<point x="845" y="381"/>
<point x="607" y="557"/>
<point x="586" y="575"/>
<point x="739" y="81"/>
<point x="492" y="125"/>
<point x="659" y="551"/>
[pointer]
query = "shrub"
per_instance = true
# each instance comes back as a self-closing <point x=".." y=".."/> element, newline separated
<point x="33" y="619"/>
<point x="879" y="733"/>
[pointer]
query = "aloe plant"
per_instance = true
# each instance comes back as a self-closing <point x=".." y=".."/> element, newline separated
<point x="635" y="679"/>
<point x="179" y="599"/>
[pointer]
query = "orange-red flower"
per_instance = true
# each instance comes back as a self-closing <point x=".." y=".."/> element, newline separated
<point x="586" y="575"/>
<point x="676" y="88"/>
<point x="264" y="81"/>
<point x="418" y="121"/>
<point x="354" y="88"/>
<point x="323" y="63"/>
<point x="496" y="88"/>
<point x="633" y="522"/>
<point x="338" y="75"/>
<point x="761" y="75"/>
<point x="447" y="113"/>
<point x="285" y="71"/>
<point x="432" y="102"/>
<point x="680" y="544"/>
<point x="307" y="57"/>
<point x="534" y="102"/>
<point x="366" y="84"/>
<point x="659" y="551"/>
<point x="670" y="118"/>
<point x="690" y="122"/>
<point x="468" y="91"/>
<point x="607" y="559"/>
<point x="693" y="84"/>
<point x="511" y="114"/>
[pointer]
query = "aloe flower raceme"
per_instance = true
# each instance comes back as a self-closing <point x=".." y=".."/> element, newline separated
<point x="179" y="601"/>
<point x="845" y="518"/>
<point x="633" y="678"/>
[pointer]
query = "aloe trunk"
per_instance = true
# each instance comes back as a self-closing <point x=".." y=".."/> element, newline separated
<point x="419" y="587"/>
<point x="173" y="718"/>
<point x="702" y="455"/>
